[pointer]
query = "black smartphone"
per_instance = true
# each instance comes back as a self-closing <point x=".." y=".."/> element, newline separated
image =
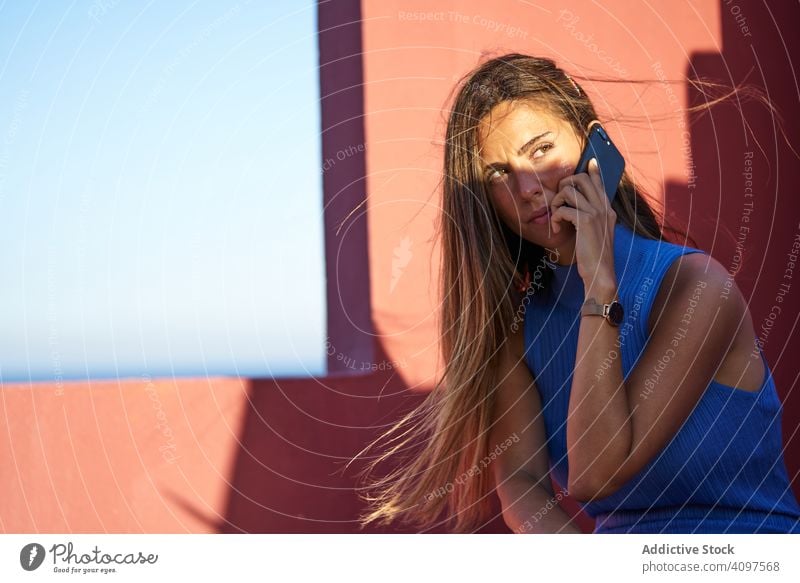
<point x="609" y="160"/>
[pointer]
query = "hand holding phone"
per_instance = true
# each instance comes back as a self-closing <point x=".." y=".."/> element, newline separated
<point x="609" y="160"/>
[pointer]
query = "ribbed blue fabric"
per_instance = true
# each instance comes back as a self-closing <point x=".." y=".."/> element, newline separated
<point x="723" y="472"/>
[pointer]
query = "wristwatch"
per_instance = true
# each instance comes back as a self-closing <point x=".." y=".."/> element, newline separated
<point x="612" y="312"/>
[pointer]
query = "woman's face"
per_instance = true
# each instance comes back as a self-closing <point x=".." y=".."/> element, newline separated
<point x="525" y="151"/>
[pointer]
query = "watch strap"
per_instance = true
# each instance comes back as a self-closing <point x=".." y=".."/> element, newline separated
<point x="592" y="308"/>
<point x="612" y="311"/>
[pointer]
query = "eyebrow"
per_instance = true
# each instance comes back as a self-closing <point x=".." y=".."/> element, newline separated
<point x="528" y="145"/>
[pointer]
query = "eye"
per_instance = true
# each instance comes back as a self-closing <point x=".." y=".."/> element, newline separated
<point x="541" y="148"/>
<point x="490" y="176"/>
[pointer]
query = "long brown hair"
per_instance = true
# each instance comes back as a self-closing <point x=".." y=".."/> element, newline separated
<point x="484" y="266"/>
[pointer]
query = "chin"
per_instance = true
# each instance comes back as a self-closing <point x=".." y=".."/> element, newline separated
<point x="542" y="236"/>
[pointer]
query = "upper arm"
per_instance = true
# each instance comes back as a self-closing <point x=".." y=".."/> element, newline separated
<point x="517" y="413"/>
<point x="696" y="326"/>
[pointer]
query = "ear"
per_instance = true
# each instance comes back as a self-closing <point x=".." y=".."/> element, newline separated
<point x="591" y="123"/>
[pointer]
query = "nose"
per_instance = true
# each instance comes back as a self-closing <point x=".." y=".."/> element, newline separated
<point x="529" y="184"/>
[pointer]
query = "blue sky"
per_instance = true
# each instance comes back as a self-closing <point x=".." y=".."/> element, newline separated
<point x="160" y="190"/>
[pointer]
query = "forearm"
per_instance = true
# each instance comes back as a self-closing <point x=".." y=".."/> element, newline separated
<point x="599" y="425"/>
<point x="529" y="507"/>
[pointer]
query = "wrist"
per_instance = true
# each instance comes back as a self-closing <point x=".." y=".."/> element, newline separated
<point x="605" y="304"/>
<point x="603" y="292"/>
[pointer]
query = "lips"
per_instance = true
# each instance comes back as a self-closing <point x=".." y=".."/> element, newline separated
<point x="538" y="214"/>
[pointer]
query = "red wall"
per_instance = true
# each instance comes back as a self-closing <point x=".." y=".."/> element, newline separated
<point x="257" y="455"/>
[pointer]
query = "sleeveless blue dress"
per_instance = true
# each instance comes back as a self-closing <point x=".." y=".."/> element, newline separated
<point x="723" y="471"/>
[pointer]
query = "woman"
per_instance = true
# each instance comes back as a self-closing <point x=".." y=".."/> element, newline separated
<point x="666" y="420"/>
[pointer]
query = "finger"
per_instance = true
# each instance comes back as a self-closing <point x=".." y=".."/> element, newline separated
<point x="569" y="195"/>
<point x="564" y="213"/>
<point x="587" y="187"/>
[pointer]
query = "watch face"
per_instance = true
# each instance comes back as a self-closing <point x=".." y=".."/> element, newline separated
<point x="615" y="313"/>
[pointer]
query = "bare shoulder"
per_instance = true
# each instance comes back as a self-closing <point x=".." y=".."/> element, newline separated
<point x="697" y="280"/>
<point x="705" y="297"/>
